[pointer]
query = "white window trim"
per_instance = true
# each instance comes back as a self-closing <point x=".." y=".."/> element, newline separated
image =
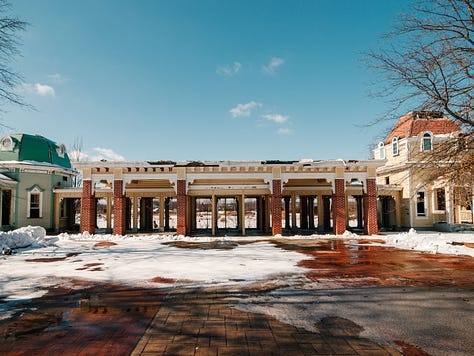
<point x="395" y="143"/>
<point x="381" y="148"/>
<point x="35" y="190"/>
<point x="423" y="142"/>
<point x="426" y="204"/>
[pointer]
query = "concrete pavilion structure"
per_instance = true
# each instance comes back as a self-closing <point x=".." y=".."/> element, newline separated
<point x="134" y="192"/>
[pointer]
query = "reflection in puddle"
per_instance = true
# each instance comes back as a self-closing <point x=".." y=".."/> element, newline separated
<point x="351" y="263"/>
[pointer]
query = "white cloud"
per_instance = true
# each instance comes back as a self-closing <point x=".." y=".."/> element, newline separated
<point x="244" y="109"/>
<point x="77" y="156"/>
<point x="230" y="70"/>
<point x="106" y="154"/>
<point x="39" y="89"/>
<point x="274" y="63"/>
<point x="279" y="119"/>
<point x="284" y="131"/>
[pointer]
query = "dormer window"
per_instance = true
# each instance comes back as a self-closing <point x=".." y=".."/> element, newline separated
<point x="6" y="143"/>
<point x="427" y="142"/>
<point x="61" y="150"/>
<point x="395" y="146"/>
<point x="381" y="150"/>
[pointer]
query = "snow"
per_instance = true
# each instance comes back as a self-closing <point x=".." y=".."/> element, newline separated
<point x="39" y="261"/>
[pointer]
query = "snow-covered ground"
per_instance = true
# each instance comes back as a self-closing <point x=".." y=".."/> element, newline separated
<point x="39" y="261"/>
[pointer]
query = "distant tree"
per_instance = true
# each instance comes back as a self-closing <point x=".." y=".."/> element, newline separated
<point x="10" y="26"/>
<point x="428" y="65"/>
<point x="75" y="155"/>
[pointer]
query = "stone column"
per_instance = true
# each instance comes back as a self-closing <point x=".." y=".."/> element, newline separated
<point x="181" y="207"/>
<point x="360" y="221"/>
<point x="370" y="207"/>
<point x="294" y="224"/>
<point x="119" y="208"/>
<point x="88" y="207"/>
<point x="339" y="207"/>
<point x="276" y="207"/>
<point x="135" y="213"/>
<point x="162" y="212"/>
<point x="287" y="213"/>
<point x="311" y="212"/>
<point x="167" y="213"/>
<point x="303" y="212"/>
<point x="326" y="212"/>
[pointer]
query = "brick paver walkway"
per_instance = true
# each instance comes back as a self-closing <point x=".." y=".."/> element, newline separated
<point x="198" y="322"/>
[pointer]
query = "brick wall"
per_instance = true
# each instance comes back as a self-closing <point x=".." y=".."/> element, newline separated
<point x="370" y="208"/>
<point x="339" y="207"/>
<point x="88" y="208"/>
<point x="276" y="207"/>
<point x="181" y="207"/>
<point x="120" y="211"/>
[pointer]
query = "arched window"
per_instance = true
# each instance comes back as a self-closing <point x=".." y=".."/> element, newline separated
<point x="427" y="142"/>
<point x="381" y="150"/>
<point x="35" y="202"/>
<point x="395" y="146"/>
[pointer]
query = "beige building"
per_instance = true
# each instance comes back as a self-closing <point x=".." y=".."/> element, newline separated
<point x="226" y="197"/>
<point x="408" y="195"/>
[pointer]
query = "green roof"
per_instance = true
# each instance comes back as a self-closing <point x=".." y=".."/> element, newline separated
<point x="24" y="147"/>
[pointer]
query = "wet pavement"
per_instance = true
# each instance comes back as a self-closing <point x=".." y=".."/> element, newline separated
<point x="101" y="319"/>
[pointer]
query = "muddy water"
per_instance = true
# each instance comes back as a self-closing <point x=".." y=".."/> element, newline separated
<point x="361" y="263"/>
<point x="98" y="320"/>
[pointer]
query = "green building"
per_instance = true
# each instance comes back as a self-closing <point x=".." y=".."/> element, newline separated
<point x="31" y="168"/>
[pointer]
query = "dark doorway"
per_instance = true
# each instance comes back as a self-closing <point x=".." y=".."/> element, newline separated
<point x="6" y="207"/>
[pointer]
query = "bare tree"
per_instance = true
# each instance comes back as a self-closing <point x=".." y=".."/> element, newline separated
<point x="428" y="65"/>
<point x="10" y="26"/>
<point x="75" y="155"/>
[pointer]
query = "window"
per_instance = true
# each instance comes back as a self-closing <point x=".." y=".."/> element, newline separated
<point x="420" y="204"/>
<point x="35" y="203"/>
<point x="387" y="180"/>
<point x="381" y="150"/>
<point x="440" y="197"/>
<point x="6" y="143"/>
<point x="395" y="146"/>
<point x="426" y="144"/>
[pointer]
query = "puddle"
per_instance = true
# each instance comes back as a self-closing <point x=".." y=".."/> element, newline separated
<point x="212" y="245"/>
<point x="353" y="264"/>
<point x="104" y="319"/>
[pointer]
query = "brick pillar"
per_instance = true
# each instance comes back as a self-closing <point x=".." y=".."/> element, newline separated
<point x="339" y="207"/>
<point x="88" y="207"/>
<point x="370" y="208"/>
<point x="181" y="207"/>
<point x="120" y="208"/>
<point x="276" y="207"/>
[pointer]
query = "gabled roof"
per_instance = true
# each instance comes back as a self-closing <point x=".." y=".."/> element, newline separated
<point x="416" y="122"/>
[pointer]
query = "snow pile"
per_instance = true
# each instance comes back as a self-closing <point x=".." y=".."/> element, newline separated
<point x="33" y="236"/>
<point x="432" y="242"/>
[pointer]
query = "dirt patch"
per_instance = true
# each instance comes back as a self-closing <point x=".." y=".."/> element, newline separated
<point x="89" y="265"/>
<point x="52" y="259"/>
<point x="105" y="244"/>
<point x="163" y="280"/>
<point x="467" y="244"/>
<point x="411" y="350"/>
<point x="212" y="245"/>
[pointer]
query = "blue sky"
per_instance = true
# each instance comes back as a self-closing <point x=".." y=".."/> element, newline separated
<point x="202" y="80"/>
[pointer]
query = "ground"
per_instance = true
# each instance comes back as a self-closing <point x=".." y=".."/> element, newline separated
<point x="334" y="295"/>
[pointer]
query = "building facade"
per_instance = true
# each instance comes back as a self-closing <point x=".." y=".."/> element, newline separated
<point x="240" y="197"/>
<point x="412" y="190"/>
<point x="31" y="167"/>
